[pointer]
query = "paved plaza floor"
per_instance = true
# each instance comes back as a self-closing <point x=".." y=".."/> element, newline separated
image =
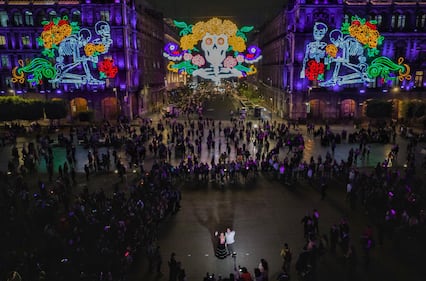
<point x="264" y="213"/>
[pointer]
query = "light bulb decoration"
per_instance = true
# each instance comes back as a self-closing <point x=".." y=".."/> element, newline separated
<point x="214" y="50"/>
<point x="349" y="55"/>
<point x="70" y="55"/>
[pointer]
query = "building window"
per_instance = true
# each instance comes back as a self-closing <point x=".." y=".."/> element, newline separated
<point x="17" y="19"/>
<point x="401" y="21"/>
<point x="76" y="16"/>
<point x="400" y="51"/>
<point x="26" y="40"/>
<point x="2" y="40"/>
<point x="29" y="20"/>
<point x="4" y="18"/>
<point x="347" y="18"/>
<point x="105" y="15"/>
<point x="40" y="17"/>
<point x="4" y="61"/>
<point x="378" y="19"/>
<point x="419" y="79"/>
<point x="393" y="21"/>
<point x="421" y="21"/>
<point x="52" y="14"/>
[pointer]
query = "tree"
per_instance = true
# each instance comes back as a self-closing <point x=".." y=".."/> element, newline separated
<point x="18" y="108"/>
<point x="56" y="109"/>
<point x="379" y="109"/>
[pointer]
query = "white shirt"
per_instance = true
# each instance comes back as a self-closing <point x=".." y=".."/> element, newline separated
<point x="230" y="237"/>
<point x="348" y="187"/>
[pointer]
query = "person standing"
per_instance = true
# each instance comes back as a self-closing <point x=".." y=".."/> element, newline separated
<point x="264" y="269"/>
<point x="173" y="268"/>
<point x="86" y="171"/>
<point x="156" y="260"/>
<point x="230" y="240"/>
<point x="221" y="246"/>
<point x="286" y="254"/>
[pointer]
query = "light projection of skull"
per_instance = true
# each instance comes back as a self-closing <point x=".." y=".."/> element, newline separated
<point x="215" y="47"/>
<point x="222" y="55"/>
<point x="344" y="60"/>
<point x="74" y="53"/>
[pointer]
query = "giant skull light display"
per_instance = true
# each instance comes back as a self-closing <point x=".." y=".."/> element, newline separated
<point x="215" y="47"/>
<point x="223" y="46"/>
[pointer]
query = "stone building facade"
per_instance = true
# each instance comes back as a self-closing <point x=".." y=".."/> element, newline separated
<point x="285" y="39"/>
<point x="135" y="32"/>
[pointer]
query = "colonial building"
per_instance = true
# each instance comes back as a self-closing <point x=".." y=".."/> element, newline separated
<point x="326" y="58"/>
<point x="104" y="56"/>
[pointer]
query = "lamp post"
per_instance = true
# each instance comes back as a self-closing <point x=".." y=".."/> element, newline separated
<point x="116" y="101"/>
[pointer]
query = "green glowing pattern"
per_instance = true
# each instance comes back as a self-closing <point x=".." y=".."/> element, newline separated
<point x="383" y="67"/>
<point x="39" y="68"/>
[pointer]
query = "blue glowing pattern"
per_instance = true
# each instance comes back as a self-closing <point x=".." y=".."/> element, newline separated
<point x="344" y="58"/>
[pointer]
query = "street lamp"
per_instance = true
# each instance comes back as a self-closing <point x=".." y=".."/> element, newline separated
<point x="116" y="101"/>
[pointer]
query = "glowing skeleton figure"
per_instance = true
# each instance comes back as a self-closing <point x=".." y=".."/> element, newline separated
<point x="215" y="47"/>
<point x="351" y="58"/>
<point x="315" y="49"/>
<point x="74" y="46"/>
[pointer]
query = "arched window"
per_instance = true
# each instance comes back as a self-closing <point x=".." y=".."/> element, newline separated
<point x="41" y="16"/>
<point x="29" y="20"/>
<point x="421" y="21"/>
<point x="76" y="16"/>
<point x="378" y="19"/>
<point x="4" y="19"/>
<point x="52" y="14"/>
<point x="3" y="41"/>
<point x="104" y="15"/>
<point x="17" y="19"/>
<point x="347" y="18"/>
<point x="401" y="21"/>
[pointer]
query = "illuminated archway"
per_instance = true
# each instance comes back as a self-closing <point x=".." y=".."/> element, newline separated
<point x="397" y="108"/>
<point x="347" y="108"/>
<point x="78" y="105"/>
<point x="110" y="108"/>
<point x="317" y="108"/>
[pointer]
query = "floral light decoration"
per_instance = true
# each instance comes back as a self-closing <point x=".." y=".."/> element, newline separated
<point x="331" y="50"/>
<point x="315" y="70"/>
<point x="223" y="45"/>
<point x="365" y="32"/>
<point x="68" y="50"/>
<point x="107" y="68"/>
<point x="54" y="32"/>
<point x="352" y="56"/>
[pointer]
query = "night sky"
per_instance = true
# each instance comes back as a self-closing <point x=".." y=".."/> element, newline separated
<point x="242" y="12"/>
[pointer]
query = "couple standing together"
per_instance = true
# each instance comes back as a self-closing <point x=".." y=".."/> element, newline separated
<point x="225" y="244"/>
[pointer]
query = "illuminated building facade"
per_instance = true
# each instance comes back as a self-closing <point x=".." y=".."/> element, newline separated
<point x="102" y="56"/>
<point x="326" y="58"/>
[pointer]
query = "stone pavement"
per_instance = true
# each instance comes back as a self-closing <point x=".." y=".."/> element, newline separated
<point x="264" y="213"/>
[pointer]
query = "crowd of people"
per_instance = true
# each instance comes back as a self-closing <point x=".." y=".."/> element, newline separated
<point x="126" y="223"/>
<point x="56" y="234"/>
